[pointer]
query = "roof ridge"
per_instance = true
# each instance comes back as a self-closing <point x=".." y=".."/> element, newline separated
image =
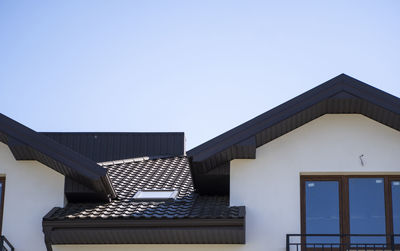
<point x="137" y="159"/>
<point x="123" y="161"/>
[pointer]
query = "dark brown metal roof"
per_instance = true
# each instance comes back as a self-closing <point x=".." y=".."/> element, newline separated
<point x="342" y="94"/>
<point x="26" y="144"/>
<point x="191" y="207"/>
<point x="106" y="146"/>
<point x="189" y="218"/>
<point x="130" y="176"/>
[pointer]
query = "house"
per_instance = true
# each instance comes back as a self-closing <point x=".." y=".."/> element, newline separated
<point x="324" y="164"/>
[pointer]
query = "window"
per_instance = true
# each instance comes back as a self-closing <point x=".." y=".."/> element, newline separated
<point x="322" y="210"/>
<point x="155" y="195"/>
<point x="367" y="209"/>
<point x="2" y="190"/>
<point x="350" y="205"/>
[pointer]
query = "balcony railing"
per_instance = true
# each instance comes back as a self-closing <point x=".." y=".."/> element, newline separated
<point x="348" y="242"/>
<point x="5" y="244"/>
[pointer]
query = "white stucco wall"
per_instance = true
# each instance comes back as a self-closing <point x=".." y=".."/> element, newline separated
<point x="31" y="190"/>
<point x="269" y="186"/>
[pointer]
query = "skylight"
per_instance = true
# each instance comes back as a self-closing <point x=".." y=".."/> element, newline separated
<point x="155" y="195"/>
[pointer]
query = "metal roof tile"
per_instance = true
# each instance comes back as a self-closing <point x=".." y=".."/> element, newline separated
<point x="165" y="173"/>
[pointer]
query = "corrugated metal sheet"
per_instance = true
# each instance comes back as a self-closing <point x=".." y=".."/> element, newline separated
<point x="103" y="146"/>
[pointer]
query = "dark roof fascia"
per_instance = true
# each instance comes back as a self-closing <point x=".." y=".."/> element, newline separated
<point x="121" y="222"/>
<point x="145" y="231"/>
<point x="249" y="129"/>
<point x="25" y="144"/>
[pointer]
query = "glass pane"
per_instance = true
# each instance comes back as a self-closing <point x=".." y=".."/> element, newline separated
<point x="322" y="211"/>
<point x="367" y="209"/>
<point x="154" y="194"/>
<point x="396" y="209"/>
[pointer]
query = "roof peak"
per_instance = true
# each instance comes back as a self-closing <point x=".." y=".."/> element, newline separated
<point x="336" y="84"/>
<point x="341" y="94"/>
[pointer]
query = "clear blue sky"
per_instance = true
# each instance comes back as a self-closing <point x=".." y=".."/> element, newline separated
<point x="201" y="67"/>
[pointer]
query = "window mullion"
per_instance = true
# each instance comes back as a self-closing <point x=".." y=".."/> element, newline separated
<point x="345" y="209"/>
<point x="388" y="207"/>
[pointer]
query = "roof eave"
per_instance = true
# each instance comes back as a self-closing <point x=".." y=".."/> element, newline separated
<point x="145" y="231"/>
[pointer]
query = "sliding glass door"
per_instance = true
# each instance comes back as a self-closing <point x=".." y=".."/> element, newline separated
<point x="347" y="206"/>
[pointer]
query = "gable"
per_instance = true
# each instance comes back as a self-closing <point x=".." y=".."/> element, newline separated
<point x="270" y="186"/>
<point x="332" y="143"/>
<point x="342" y="94"/>
<point x="26" y="144"/>
<point x="31" y="188"/>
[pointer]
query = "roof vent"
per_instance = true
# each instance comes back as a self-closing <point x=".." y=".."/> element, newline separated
<point x="155" y="195"/>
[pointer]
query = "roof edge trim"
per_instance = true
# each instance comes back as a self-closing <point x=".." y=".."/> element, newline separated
<point x="174" y="231"/>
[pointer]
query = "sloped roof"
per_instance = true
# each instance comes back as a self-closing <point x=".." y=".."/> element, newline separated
<point x="342" y="94"/>
<point x="130" y="176"/>
<point x="26" y="144"/>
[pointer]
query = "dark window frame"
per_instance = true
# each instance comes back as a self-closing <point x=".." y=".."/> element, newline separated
<point x="3" y="190"/>
<point x="344" y="206"/>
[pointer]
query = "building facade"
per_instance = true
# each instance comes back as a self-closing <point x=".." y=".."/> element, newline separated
<point x="320" y="171"/>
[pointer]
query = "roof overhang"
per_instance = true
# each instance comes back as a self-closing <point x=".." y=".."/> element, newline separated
<point x="145" y="231"/>
<point x="341" y="94"/>
<point x="26" y="144"/>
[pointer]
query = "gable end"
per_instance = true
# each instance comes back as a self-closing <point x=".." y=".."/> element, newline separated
<point x="340" y="95"/>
